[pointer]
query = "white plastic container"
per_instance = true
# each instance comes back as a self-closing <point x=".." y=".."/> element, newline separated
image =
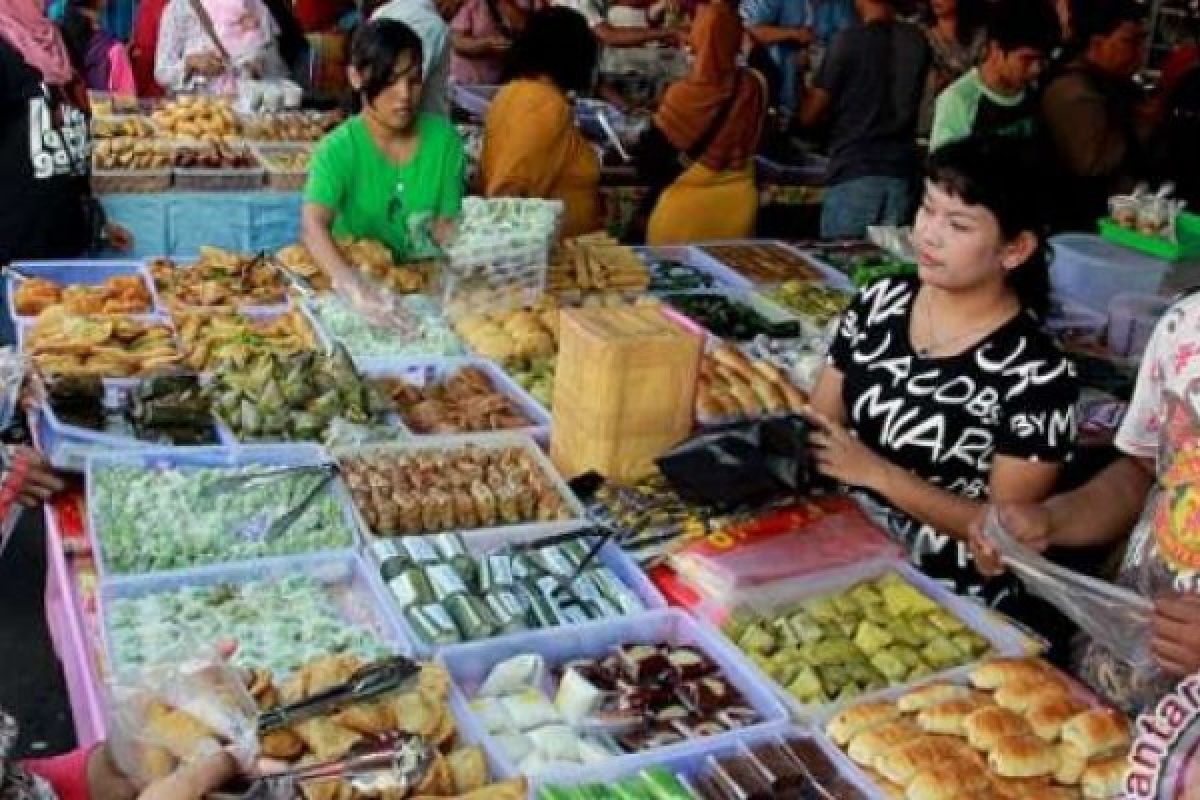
<point x="1092" y="271"/>
<point x="1131" y="321"/>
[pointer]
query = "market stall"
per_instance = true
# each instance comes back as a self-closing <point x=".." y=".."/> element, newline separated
<point x="258" y="462"/>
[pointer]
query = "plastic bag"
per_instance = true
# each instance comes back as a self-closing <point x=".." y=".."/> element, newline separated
<point x="746" y="462"/>
<point x="170" y="715"/>
<point x="1115" y="618"/>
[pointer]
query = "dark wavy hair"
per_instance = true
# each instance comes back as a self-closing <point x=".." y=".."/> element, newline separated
<point x="376" y="48"/>
<point x="1001" y="174"/>
<point x="558" y="44"/>
<point x="1013" y="24"/>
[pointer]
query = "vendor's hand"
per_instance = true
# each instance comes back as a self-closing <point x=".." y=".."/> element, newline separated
<point x="41" y="482"/>
<point x="119" y="237"/>
<point x="194" y="781"/>
<point x="209" y="64"/>
<point x="1175" y="632"/>
<point x="1028" y="523"/>
<point x="841" y="456"/>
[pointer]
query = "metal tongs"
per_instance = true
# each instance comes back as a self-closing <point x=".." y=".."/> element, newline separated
<point x="392" y="674"/>
<point x="299" y="283"/>
<point x="265" y="526"/>
<point x="601" y="533"/>
<point x="392" y="761"/>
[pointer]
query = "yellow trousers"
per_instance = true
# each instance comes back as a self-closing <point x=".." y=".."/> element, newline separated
<point x="703" y="205"/>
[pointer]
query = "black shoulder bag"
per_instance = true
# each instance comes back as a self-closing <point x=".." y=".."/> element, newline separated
<point x="660" y="163"/>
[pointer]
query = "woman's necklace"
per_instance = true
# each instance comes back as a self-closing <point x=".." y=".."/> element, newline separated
<point x="934" y="344"/>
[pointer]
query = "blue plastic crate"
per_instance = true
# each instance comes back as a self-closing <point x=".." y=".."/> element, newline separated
<point x="84" y="273"/>
<point x="190" y="458"/>
<point x="469" y="665"/>
<point x="611" y="556"/>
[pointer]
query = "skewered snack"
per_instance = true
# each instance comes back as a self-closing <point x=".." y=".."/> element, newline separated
<point x="219" y="279"/>
<point x="464" y="401"/>
<point x="763" y="263"/>
<point x="210" y="338"/>
<point x="430" y="490"/>
<point x="120" y="294"/>
<point x="61" y="343"/>
<point x="196" y="117"/>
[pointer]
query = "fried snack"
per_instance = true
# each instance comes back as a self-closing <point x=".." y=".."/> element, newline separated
<point x="469" y="768"/>
<point x="326" y="739"/>
<point x="296" y="259"/>
<point x="1049" y="713"/>
<point x="733" y="387"/>
<point x="947" y="781"/>
<point x="283" y="745"/>
<point x="181" y="734"/>
<point x="466" y="401"/>
<point x="289" y="126"/>
<point x="508" y="336"/>
<point x="131" y="127"/>
<point x="131" y="154"/>
<point x="950" y="717"/>
<point x="209" y="339"/>
<point x="60" y="343"/>
<point x="369" y="719"/>
<point x="374" y="260"/>
<point x="1098" y="732"/>
<point x="196" y="117"/>
<point x="931" y="695"/>
<point x="764" y="263"/>
<point x="1022" y="693"/>
<point x="986" y="727"/>
<point x="1000" y="671"/>
<point x="219" y="279"/>
<point x="866" y="747"/>
<point x="596" y="262"/>
<point x="121" y="294"/>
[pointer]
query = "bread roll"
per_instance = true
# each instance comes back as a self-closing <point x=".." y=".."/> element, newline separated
<point x="902" y="763"/>
<point x="866" y="747"/>
<point x="731" y="358"/>
<point x="1050" y="713"/>
<point x="988" y="726"/>
<point x="931" y="695"/>
<point x="1021" y="694"/>
<point x="949" y="781"/>
<point x="887" y="789"/>
<point x="769" y="371"/>
<point x="1000" y="671"/>
<point x="949" y="717"/>
<point x="1097" y="732"/>
<point x="797" y="399"/>
<point x="1018" y="788"/>
<point x="1105" y="779"/>
<point x="1023" y="756"/>
<point x="848" y="723"/>
<point x="1071" y="765"/>
<point x="770" y="395"/>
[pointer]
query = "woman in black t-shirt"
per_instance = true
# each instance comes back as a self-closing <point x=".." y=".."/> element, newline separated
<point x="942" y="392"/>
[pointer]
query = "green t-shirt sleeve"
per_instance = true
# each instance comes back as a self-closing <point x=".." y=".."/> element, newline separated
<point x="454" y="165"/>
<point x="952" y="118"/>
<point x="328" y="172"/>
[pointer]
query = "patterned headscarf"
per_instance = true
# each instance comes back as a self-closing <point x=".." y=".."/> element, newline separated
<point x="23" y="24"/>
<point x="16" y="783"/>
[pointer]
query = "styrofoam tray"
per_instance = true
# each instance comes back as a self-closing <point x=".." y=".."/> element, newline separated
<point x="469" y="665"/>
<point x="85" y="273"/>
<point x="611" y="556"/>
<point x="191" y="458"/>
<point x="344" y="572"/>
<point x="1006" y="640"/>
<point x="688" y="765"/>
<point x="496" y="535"/>
<point x="422" y="372"/>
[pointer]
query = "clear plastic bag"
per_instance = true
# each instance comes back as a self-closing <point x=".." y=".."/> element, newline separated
<point x="1115" y="618"/>
<point x="177" y="714"/>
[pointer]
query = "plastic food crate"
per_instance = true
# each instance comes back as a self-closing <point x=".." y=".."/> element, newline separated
<point x="280" y="178"/>
<point x="1005" y="640"/>
<point x="499" y="534"/>
<point x="1092" y="270"/>
<point x="199" y="179"/>
<point x="193" y="458"/>
<point x="422" y="372"/>
<point x="610" y="555"/>
<point x="469" y="665"/>
<point x="1187" y="233"/>
<point x="81" y="273"/>
<point x="345" y="581"/>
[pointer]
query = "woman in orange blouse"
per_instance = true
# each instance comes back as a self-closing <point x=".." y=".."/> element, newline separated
<point x="531" y="144"/>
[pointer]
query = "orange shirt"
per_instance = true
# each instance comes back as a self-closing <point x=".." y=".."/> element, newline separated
<point x="532" y="148"/>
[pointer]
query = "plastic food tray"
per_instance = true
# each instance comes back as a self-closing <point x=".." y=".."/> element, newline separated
<point x="278" y="178"/>
<point x="199" y="179"/>
<point x="827" y="274"/>
<point x="697" y="259"/>
<point x="499" y="534"/>
<point x="1187" y="231"/>
<point x="611" y="556"/>
<point x="345" y="571"/>
<point x="690" y="765"/>
<point x="189" y="458"/>
<point x="258" y="313"/>
<point x="435" y="370"/>
<point x="1006" y="640"/>
<point x="250" y="309"/>
<point x="768" y="309"/>
<point x="118" y="181"/>
<point x="68" y="273"/>
<point x="469" y="665"/>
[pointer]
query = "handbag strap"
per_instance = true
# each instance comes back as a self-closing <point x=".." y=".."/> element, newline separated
<point x="701" y="145"/>
<point x="210" y="30"/>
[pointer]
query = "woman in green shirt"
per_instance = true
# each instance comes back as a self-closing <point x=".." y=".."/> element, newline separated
<point x="389" y="173"/>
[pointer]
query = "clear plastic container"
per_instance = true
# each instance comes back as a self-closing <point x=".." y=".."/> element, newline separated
<point x="1069" y="318"/>
<point x="498" y="534"/>
<point x="124" y="384"/>
<point x="185" y="459"/>
<point x="469" y="665"/>
<point x="1092" y="271"/>
<point x="83" y="272"/>
<point x="1005" y="639"/>
<point x="1132" y="318"/>
<point x="200" y="179"/>
<point x="348" y="590"/>
<point x="610" y="555"/>
<point x="766" y="308"/>
<point x="423" y="372"/>
<point x="280" y="178"/>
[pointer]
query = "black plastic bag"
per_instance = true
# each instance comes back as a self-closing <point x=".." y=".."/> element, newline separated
<point x="743" y="463"/>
